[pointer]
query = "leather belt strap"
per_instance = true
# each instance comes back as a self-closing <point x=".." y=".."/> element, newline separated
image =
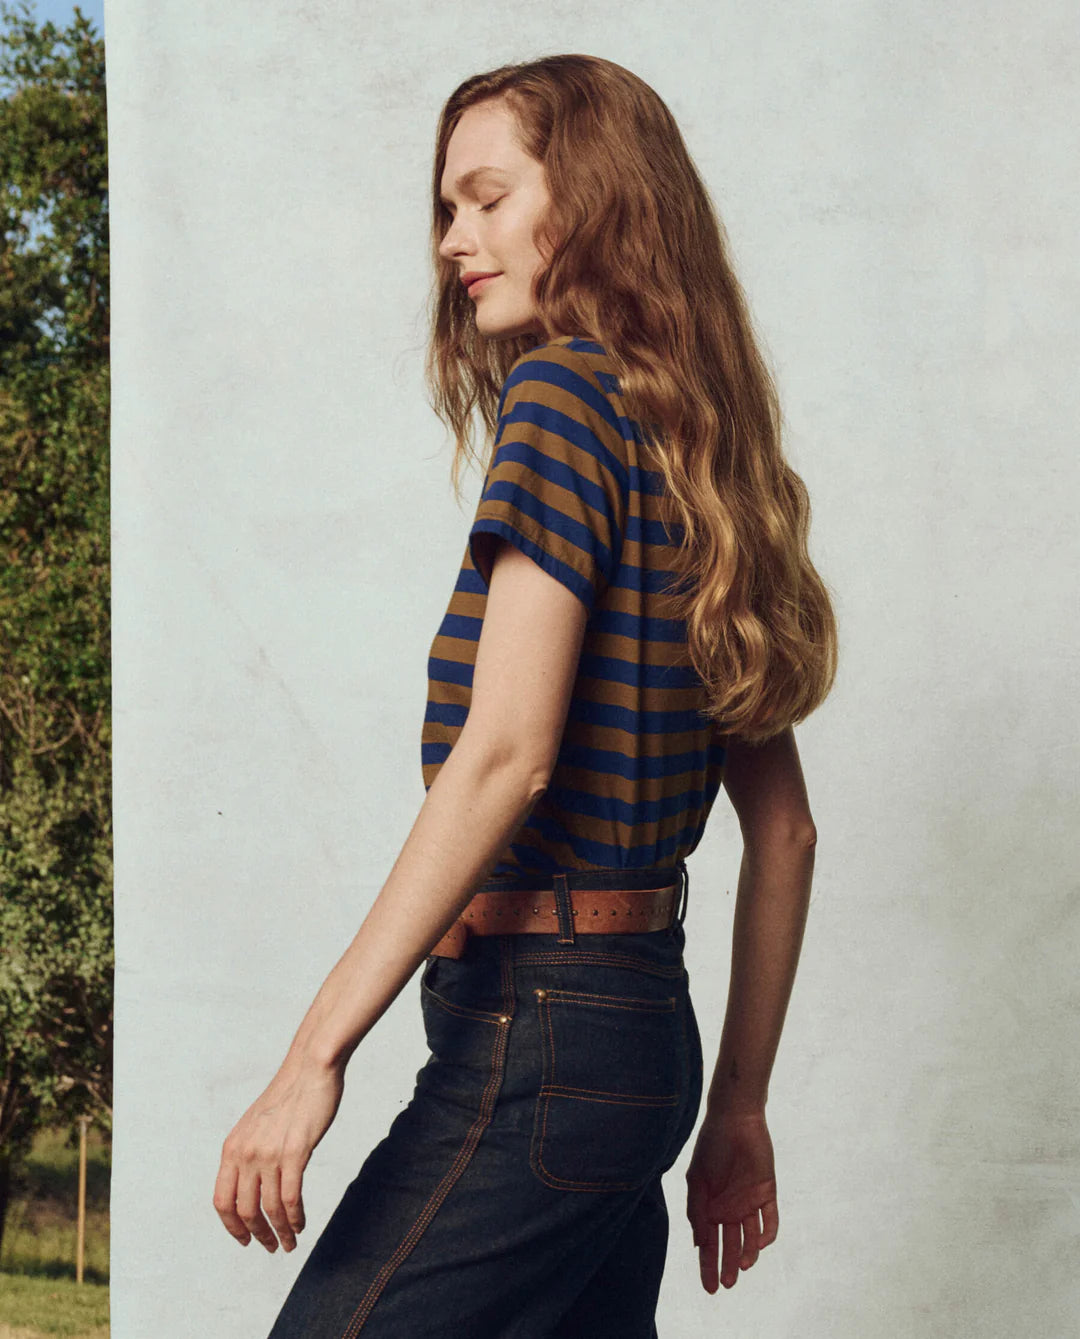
<point x="595" y="911"/>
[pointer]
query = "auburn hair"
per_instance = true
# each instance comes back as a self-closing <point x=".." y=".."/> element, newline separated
<point x="640" y="264"/>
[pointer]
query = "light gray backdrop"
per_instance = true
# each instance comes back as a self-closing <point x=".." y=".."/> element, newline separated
<point x="899" y="188"/>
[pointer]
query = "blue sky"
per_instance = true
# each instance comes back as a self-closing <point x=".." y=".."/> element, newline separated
<point x="62" y="13"/>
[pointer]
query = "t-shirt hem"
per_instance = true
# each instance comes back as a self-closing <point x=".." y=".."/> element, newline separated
<point x="568" y="576"/>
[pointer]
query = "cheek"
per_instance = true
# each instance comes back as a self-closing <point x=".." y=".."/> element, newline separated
<point x="514" y="240"/>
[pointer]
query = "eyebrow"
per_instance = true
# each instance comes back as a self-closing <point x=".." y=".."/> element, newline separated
<point x="465" y="181"/>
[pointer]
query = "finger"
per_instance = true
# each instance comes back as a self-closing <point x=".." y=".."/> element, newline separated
<point x="706" y="1235"/>
<point x="729" y="1266"/>
<point x="247" y="1206"/>
<point x="225" y="1202"/>
<point x="751" y="1235"/>
<point x="727" y="1205"/>
<point x="770" y="1218"/>
<point x="292" y="1199"/>
<point x="273" y="1208"/>
<point x="707" y="1238"/>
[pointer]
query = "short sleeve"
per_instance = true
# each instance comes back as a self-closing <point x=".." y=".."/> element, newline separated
<point x="558" y="484"/>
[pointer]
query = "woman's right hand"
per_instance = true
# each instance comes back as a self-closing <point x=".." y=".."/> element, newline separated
<point x="263" y="1159"/>
<point x="731" y="1180"/>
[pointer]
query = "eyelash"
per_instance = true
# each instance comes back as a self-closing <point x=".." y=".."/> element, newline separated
<point x="484" y="209"/>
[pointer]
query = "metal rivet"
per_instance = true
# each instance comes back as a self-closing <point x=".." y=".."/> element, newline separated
<point x="504" y="1018"/>
<point x="540" y="994"/>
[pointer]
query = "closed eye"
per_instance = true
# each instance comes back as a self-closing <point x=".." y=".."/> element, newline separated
<point x="484" y="209"/>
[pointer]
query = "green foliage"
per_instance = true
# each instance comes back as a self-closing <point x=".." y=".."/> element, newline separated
<point x="56" y="949"/>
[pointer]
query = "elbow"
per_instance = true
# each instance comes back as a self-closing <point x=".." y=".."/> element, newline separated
<point x="801" y="835"/>
<point x="513" y="764"/>
<point x="531" y="786"/>
<point x="540" y="779"/>
<point x="788" y="833"/>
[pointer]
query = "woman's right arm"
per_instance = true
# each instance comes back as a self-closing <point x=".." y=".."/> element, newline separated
<point x="731" y="1178"/>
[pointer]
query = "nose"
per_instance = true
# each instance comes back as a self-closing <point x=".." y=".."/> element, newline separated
<point x="455" y="240"/>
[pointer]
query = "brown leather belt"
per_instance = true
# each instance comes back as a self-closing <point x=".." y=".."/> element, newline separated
<point x="594" y="911"/>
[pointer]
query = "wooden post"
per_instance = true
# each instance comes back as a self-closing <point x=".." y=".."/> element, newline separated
<point x="80" y="1233"/>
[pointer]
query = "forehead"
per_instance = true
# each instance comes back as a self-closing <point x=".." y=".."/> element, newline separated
<point x="483" y="142"/>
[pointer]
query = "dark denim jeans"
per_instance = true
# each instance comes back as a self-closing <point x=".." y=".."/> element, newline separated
<point x="518" y="1195"/>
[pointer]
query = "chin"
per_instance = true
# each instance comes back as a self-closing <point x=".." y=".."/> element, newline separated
<point x="495" y="327"/>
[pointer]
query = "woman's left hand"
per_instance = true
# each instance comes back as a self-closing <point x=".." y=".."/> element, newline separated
<point x="264" y="1156"/>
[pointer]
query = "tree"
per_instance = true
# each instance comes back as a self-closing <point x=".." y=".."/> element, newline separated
<point x="56" y="943"/>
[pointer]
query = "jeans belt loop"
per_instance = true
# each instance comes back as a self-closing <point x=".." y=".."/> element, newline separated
<point x="684" y="878"/>
<point x="564" y="908"/>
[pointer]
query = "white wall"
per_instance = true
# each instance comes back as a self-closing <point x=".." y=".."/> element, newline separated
<point x="899" y="187"/>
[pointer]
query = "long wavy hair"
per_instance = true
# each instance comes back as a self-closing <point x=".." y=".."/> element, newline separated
<point x="638" y="262"/>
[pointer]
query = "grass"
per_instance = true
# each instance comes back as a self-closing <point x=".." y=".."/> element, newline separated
<point x="38" y="1293"/>
<point x="34" y="1307"/>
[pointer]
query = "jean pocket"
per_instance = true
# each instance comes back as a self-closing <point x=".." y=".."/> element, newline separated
<point x="609" y="1096"/>
<point x="460" y="987"/>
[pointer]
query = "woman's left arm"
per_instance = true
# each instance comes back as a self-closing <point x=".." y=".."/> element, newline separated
<point x="526" y="662"/>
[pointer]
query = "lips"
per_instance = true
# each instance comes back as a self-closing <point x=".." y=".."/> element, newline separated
<point x="473" y="281"/>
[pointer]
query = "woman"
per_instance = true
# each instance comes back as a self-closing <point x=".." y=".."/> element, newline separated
<point x="635" y="620"/>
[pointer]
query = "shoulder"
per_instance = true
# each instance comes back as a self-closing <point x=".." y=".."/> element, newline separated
<point x="568" y="373"/>
<point x="580" y="357"/>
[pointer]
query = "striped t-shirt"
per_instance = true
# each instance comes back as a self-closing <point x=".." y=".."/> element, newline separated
<point x="639" y="767"/>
